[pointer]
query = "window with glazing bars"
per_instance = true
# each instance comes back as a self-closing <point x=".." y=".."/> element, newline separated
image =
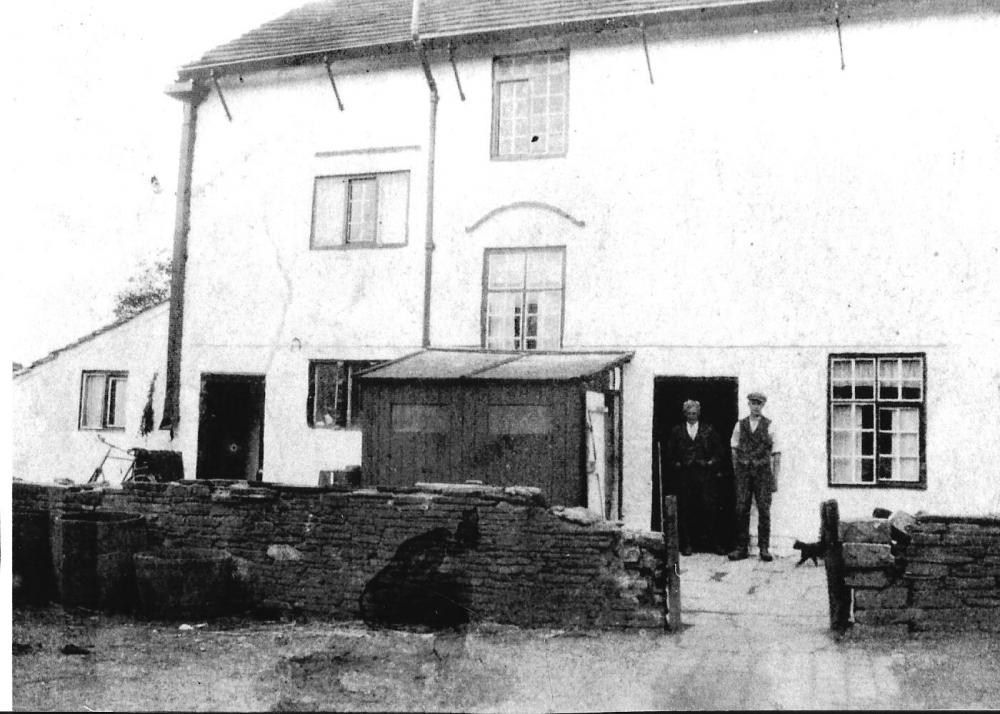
<point x="367" y="210"/>
<point x="334" y="394"/>
<point x="102" y="400"/>
<point x="877" y="411"/>
<point x="523" y="298"/>
<point x="530" y="105"/>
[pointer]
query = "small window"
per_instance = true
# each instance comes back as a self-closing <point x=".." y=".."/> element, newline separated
<point x="523" y="301"/>
<point x="877" y="413"/>
<point x="103" y="396"/>
<point x="367" y="210"/>
<point x="530" y="105"/>
<point x="334" y="394"/>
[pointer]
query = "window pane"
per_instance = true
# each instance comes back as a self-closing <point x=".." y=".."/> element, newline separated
<point x="503" y="321"/>
<point x="329" y="203"/>
<point x="842" y="471"/>
<point x="913" y="369"/>
<point x="420" y="418"/>
<point x="393" y="197"/>
<point x="844" y="443"/>
<point x="868" y="470"/>
<point x="512" y="420"/>
<point x="846" y="417"/>
<point x="867" y="443"/>
<point x="908" y="470"/>
<point x="908" y="445"/>
<point x="361" y="210"/>
<point x="506" y="270"/>
<point x="330" y="408"/>
<point x="867" y="416"/>
<point x="544" y="269"/>
<point x="544" y="312"/>
<point x="117" y="399"/>
<point x="92" y="410"/>
<point x="909" y="420"/>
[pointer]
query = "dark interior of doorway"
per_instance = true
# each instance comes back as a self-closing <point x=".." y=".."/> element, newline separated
<point x="719" y="397"/>
<point x="231" y="427"/>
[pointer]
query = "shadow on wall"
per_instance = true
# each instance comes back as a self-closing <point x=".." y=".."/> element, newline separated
<point x="419" y="586"/>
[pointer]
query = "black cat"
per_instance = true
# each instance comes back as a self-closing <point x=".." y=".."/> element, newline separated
<point x="810" y="551"/>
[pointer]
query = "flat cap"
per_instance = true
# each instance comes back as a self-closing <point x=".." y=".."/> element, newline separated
<point x="757" y="397"/>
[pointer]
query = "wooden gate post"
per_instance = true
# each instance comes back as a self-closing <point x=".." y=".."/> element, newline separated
<point x="839" y="593"/>
<point x="672" y="562"/>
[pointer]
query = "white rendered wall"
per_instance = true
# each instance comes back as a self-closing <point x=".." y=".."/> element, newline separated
<point x="754" y="210"/>
<point x="47" y="441"/>
<point x="258" y="300"/>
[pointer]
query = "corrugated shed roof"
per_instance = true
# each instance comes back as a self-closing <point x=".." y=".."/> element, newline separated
<point x="342" y="25"/>
<point x="503" y="366"/>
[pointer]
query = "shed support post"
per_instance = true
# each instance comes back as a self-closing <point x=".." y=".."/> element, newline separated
<point x="839" y="593"/>
<point x="672" y="563"/>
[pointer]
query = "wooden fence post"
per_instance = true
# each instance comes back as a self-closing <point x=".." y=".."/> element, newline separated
<point x="672" y="563"/>
<point x="839" y="593"/>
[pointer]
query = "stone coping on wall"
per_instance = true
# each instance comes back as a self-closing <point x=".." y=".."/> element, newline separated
<point x="330" y="550"/>
<point x="923" y="573"/>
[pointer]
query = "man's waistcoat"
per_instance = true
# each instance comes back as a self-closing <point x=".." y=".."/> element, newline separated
<point x="755" y="446"/>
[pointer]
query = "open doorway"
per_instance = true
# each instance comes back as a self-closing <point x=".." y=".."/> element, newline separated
<point x="231" y="427"/>
<point x="719" y="397"/>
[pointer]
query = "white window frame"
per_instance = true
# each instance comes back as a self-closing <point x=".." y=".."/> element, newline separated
<point x="349" y="232"/>
<point x="543" y="78"/>
<point x="113" y="400"/>
<point x="521" y="339"/>
<point x="876" y="411"/>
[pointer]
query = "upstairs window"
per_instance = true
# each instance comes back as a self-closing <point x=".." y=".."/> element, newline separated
<point x="102" y="400"/>
<point x="523" y="299"/>
<point x="877" y="420"/>
<point x="530" y="105"/>
<point x="367" y="210"/>
<point x="334" y="395"/>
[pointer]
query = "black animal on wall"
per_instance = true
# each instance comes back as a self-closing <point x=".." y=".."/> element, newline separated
<point x="419" y="586"/>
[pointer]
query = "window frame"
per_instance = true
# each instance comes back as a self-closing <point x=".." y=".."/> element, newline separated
<point x="878" y="404"/>
<point x="487" y="252"/>
<point x="352" y="422"/>
<point x="109" y="377"/>
<point x="495" y="154"/>
<point x="346" y="244"/>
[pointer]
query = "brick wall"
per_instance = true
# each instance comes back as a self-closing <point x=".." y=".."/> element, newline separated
<point x="937" y="573"/>
<point x="315" y="550"/>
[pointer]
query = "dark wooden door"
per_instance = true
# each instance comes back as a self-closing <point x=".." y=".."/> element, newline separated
<point x="231" y="427"/>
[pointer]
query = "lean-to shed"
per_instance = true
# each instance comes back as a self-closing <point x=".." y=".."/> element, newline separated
<point x="546" y="419"/>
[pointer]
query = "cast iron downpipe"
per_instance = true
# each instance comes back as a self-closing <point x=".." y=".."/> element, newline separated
<point x="192" y="95"/>
<point x="431" y="143"/>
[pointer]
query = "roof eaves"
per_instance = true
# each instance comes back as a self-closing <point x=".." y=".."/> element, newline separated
<point x="87" y="338"/>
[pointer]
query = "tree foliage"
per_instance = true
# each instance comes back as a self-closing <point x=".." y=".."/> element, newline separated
<point x="151" y="285"/>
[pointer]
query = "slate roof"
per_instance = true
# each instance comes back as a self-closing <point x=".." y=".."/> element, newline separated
<point x="364" y="26"/>
<point x="479" y="365"/>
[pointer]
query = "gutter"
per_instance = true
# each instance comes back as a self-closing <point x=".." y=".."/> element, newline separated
<point x="192" y="94"/>
<point x="421" y="49"/>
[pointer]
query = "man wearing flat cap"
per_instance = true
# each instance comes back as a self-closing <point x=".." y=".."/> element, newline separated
<point x="756" y="461"/>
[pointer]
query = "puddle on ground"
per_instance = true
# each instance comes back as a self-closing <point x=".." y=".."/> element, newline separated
<point x="717" y="577"/>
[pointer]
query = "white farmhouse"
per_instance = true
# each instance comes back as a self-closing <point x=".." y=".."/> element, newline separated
<point x="792" y="197"/>
<point x="81" y="407"/>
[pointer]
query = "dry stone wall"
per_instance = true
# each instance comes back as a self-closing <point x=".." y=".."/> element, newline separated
<point x="497" y="554"/>
<point x="923" y="574"/>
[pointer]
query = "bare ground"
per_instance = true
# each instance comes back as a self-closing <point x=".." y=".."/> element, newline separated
<point x="247" y="665"/>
